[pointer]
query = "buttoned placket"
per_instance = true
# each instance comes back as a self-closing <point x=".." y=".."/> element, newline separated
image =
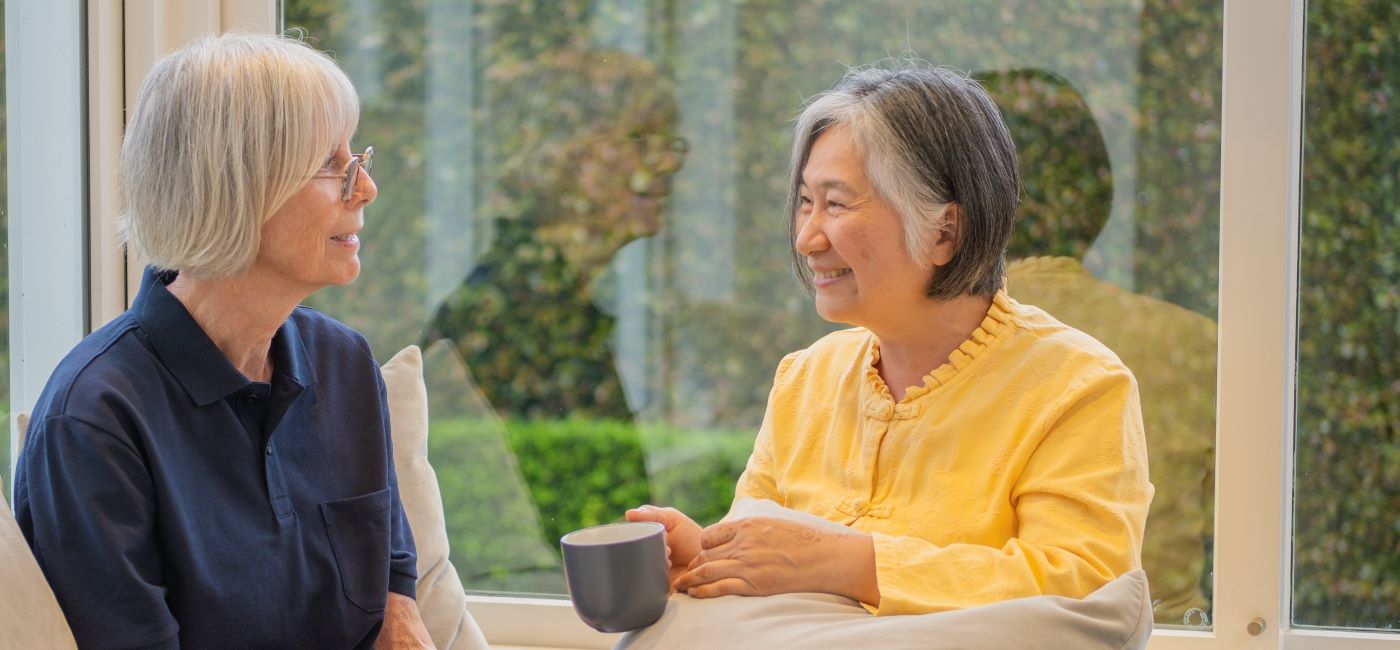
<point x="261" y="408"/>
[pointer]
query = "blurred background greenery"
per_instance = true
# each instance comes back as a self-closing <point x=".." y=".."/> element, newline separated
<point x="1347" y="467"/>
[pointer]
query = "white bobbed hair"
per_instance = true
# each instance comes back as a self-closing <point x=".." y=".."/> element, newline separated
<point x="225" y="130"/>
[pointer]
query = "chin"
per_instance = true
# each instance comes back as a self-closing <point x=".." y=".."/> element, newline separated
<point x="832" y="313"/>
<point x="346" y="277"/>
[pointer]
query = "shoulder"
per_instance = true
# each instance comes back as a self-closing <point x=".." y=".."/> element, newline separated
<point x="324" y="335"/>
<point x="91" y="396"/>
<point x="100" y="363"/>
<point x="1045" y="343"/>
<point x="833" y="355"/>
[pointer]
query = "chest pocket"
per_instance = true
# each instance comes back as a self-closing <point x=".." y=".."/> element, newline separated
<point x="358" y="528"/>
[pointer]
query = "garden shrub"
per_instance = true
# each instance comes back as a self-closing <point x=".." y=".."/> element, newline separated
<point x="512" y="488"/>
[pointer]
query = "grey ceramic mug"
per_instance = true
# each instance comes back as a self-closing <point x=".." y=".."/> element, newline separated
<point x="617" y="574"/>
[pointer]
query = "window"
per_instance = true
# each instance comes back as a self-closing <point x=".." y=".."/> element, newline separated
<point x="1347" y="468"/>
<point x="580" y="219"/>
<point x="4" y="280"/>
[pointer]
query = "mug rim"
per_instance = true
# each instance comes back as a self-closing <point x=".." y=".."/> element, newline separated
<point x="655" y="526"/>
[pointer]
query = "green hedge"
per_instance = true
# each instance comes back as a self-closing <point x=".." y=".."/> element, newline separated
<point x="511" y="489"/>
<point x="1347" y="492"/>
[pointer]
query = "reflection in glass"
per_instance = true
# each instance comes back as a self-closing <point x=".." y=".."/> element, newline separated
<point x="1068" y="183"/>
<point x="1346" y="534"/>
<point x="599" y="266"/>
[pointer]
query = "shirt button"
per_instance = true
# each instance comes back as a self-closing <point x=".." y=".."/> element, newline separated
<point x="250" y="399"/>
<point x="269" y="450"/>
<point x="860" y="506"/>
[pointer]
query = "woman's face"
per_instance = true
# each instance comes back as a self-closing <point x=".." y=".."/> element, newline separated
<point x="854" y="241"/>
<point x="311" y="241"/>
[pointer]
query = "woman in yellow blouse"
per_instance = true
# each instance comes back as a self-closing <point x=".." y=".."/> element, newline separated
<point x="975" y="448"/>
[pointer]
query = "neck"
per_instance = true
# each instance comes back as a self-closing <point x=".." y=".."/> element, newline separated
<point x="240" y="315"/>
<point x="915" y="346"/>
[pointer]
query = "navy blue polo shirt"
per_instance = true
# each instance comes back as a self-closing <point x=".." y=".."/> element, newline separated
<point x="171" y="502"/>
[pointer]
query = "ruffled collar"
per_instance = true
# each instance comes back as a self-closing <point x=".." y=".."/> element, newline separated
<point x="994" y="325"/>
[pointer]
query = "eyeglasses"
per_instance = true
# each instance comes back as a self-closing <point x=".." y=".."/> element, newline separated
<point x="358" y="161"/>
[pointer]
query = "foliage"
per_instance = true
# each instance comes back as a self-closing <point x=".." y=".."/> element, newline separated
<point x="512" y="489"/>
<point x="1346" y="544"/>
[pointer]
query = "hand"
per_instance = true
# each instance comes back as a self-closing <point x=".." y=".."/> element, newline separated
<point x="761" y="556"/>
<point x="682" y="534"/>
<point x="403" y="626"/>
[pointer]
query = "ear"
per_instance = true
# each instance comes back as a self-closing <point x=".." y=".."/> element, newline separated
<point x="949" y="238"/>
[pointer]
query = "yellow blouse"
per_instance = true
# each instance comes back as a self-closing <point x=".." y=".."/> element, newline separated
<point x="1018" y="468"/>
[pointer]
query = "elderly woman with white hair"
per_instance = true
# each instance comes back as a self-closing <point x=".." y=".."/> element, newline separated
<point x="213" y="469"/>
<point x="974" y="448"/>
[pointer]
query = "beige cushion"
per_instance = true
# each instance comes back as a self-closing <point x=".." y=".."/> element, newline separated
<point x="22" y="426"/>
<point x="441" y="600"/>
<point x="29" y="613"/>
<point x="1117" y="616"/>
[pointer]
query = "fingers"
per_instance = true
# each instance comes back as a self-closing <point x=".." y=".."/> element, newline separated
<point x="720" y="534"/>
<point x="725" y="587"/>
<point x="648" y="513"/>
<point x="668" y="517"/>
<point x="682" y="533"/>
<point x="706" y="574"/>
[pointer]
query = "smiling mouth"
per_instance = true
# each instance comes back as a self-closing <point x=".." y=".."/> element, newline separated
<point x="830" y="275"/>
<point x="348" y="237"/>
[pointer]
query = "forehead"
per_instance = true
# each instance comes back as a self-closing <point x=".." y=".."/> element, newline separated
<point x="835" y="162"/>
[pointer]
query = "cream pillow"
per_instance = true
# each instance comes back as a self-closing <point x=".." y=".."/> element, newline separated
<point x="441" y="600"/>
<point x="1116" y="617"/>
<point x="29" y="613"/>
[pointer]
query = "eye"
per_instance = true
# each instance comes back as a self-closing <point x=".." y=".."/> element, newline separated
<point x="805" y="201"/>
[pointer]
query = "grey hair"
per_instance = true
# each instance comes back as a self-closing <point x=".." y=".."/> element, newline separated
<point x="931" y="137"/>
<point x="224" y="132"/>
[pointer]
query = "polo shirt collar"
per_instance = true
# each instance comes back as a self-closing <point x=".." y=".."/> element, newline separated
<point x="191" y="356"/>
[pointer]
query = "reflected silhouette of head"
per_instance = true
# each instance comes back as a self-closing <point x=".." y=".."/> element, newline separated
<point x="584" y="140"/>
<point x="1065" y="169"/>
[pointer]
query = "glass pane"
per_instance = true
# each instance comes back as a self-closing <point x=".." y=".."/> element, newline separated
<point x="580" y="215"/>
<point x="5" y="474"/>
<point x="1346" y="535"/>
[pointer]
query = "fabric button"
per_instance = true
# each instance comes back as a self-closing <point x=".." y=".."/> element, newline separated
<point x="269" y="450"/>
<point x="250" y="399"/>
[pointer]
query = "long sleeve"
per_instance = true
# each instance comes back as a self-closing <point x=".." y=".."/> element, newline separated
<point x="758" y="480"/>
<point x="86" y="505"/>
<point x="1080" y="504"/>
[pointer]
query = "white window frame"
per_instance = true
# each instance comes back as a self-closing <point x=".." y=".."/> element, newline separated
<point x="1260" y="176"/>
<point x="46" y="161"/>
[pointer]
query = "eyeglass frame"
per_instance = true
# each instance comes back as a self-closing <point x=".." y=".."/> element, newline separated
<point x="351" y="174"/>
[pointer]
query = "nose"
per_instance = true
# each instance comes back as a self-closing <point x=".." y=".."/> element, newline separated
<point x="365" y="190"/>
<point x="810" y="238"/>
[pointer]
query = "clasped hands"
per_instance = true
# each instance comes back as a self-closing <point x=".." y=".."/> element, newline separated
<point x="762" y="556"/>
